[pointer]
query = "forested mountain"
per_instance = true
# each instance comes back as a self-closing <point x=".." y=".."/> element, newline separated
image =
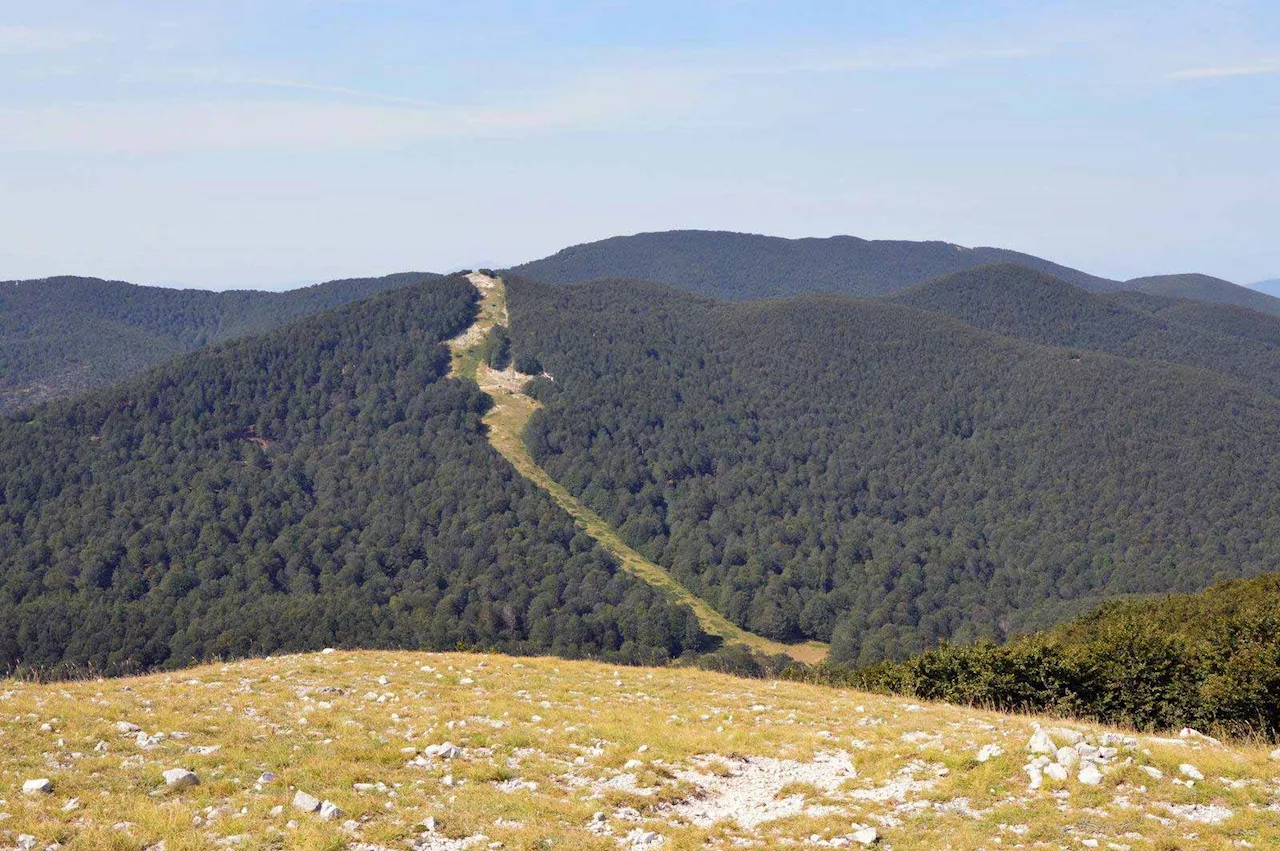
<point x="888" y="477"/>
<point x="740" y="267"/>
<point x="1021" y="302"/>
<point x="1205" y="288"/>
<point x="1209" y="660"/>
<point x="321" y="484"/>
<point x="62" y="336"/>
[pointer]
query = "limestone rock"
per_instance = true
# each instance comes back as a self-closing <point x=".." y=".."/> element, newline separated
<point x="306" y="803"/>
<point x="180" y="778"/>
<point x="1042" y="743"/>
<point x="866" y="836"/>
<point x="39" y="786"/>
<point x="1090" y="775"/>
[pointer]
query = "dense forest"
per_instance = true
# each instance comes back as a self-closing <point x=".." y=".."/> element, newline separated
<point x="887" y="477"/>
<point x="1205" y="288"/>
<point x="1209" y="660"/>
<point x="62" y="336"/>
<point x="322" y="484"/>
<point x="1021" y="302"/>
<point x="740" y="266"/>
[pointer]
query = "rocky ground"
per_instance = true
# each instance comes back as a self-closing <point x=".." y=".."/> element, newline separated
<point x="382" y="750"/>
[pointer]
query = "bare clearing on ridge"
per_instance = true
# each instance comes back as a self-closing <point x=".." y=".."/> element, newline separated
<point x="429" y="751"/>
<point x="507" y="420"/>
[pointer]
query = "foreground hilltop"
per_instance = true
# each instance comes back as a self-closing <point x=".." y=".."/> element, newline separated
<point x="394" y="750"/>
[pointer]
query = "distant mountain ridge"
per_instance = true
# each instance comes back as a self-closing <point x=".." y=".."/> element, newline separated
<point x="1205" y="288"/>
<point x="1270" y="287"/>
<point x="741" y="267"/>
<point x="64" y="335"/>
<point x="1019" y="302"/>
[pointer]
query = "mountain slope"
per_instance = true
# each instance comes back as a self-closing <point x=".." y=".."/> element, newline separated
<point x="1030" y="305"/>
<point x="1205" y="288"/>
<point x="740" y="267"/>
<point x="321" y="484"/>
<point x="578" y="755"/>
<point x="887" y="477"/>
<point x="62" y="336"/>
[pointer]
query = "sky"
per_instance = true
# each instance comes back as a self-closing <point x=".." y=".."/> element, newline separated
<point x="239" y="143"/>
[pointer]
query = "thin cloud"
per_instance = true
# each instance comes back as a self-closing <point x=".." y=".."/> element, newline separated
<point x="20" y="39"/>
<point x="166" y="127"/>
<point x="333" y="90"/>
<point x="1253" y="70"/>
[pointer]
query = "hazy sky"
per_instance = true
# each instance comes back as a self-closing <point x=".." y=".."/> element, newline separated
<point x="251" y="143"/>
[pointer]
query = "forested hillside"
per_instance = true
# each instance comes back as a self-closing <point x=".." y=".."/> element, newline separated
<point x="1209" y="660"/>
<point x="322" y="484"/>
<point x="62" y="336"/>
<point x="888" y="477"/>
<point x="1021" y="302"/>
<point x="1205" y="288"/>
<point x="740" y="267"/>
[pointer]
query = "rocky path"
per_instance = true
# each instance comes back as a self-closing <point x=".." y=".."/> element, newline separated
<point x="506" y="421"/>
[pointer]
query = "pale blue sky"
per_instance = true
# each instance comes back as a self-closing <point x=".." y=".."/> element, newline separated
<point x="238" y="143"/>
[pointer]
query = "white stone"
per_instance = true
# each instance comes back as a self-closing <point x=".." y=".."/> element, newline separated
<point x="1041" y="743"/>
<point x="125" y="728"/>
<point x="989" y="751"/>
<point x="306" y="803"/>
<point x="180" y="778"/>
<point x="329" y="811"/>
<point x="1275" y="754"/>
<point x="1055" y="772"/>
<point x="39" y="786"/>
<point x="1035" y="777"/>
<point x="866" y="836"/>
<point x="26" y="842"/>
<point x="1153" y="772"/>
<point x="1068" y="757"/>
<point x="1189" y="770"/>
<point x="1090" y="775"/>
<point x="641" y="838"/>
<point x="1066" y="734"/>
<point x="446" y="750"/>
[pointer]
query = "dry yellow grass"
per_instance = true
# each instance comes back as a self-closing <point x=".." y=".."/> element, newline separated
<point x="546" y="743"/>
